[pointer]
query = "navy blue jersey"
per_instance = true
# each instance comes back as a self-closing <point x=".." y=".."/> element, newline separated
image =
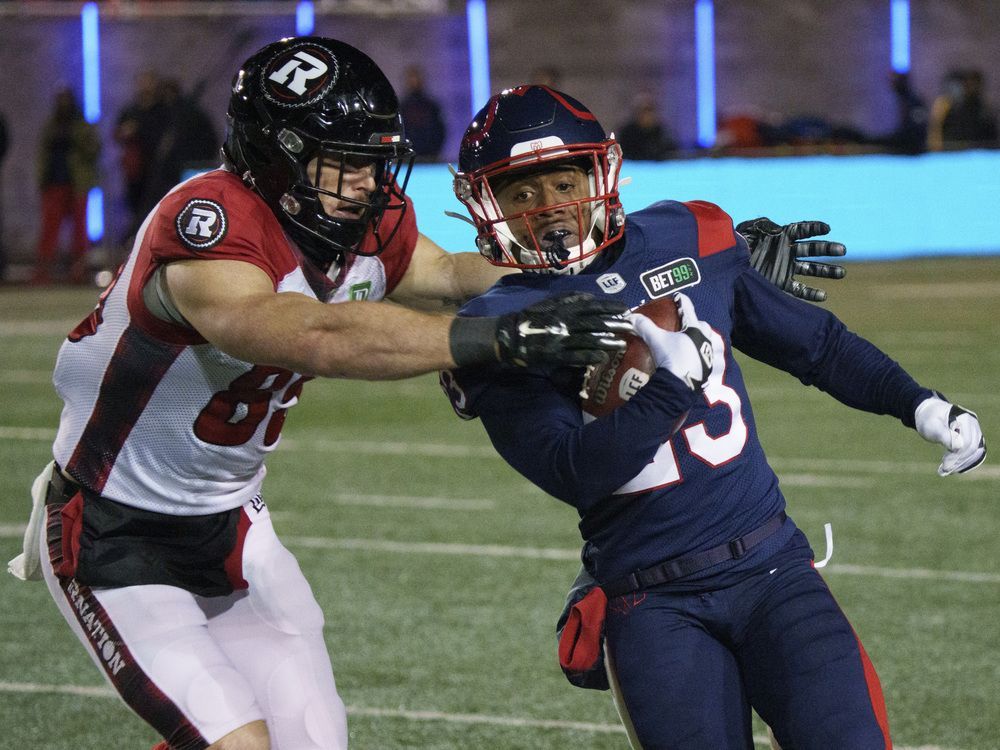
<point x="643" y="495"/>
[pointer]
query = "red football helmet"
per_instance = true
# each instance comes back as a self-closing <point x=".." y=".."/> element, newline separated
<point x="531" y="130"/>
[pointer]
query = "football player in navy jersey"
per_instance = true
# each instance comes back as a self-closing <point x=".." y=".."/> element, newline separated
<point x="708" y="599"/>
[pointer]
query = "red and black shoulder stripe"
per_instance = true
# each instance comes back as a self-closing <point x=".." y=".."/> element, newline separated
<point x="714" y="227"/>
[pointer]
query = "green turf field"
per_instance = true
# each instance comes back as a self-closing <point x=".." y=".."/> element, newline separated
<point x="441" y="572"/>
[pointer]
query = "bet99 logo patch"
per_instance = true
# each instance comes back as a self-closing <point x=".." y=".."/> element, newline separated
<point x="670" y="278"/>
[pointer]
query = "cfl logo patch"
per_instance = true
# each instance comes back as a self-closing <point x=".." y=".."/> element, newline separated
<point x="299" y="75"/>
<point x="201" y="224"/>
<point x="611" y="283"/>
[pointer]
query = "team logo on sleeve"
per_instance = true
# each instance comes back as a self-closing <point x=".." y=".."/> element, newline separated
<point x="299" y="75"/>
<point x="201" y="224"/>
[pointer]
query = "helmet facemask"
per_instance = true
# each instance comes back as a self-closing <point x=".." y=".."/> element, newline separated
<point x="558" y="236"/>
<point x="342" y="190"/>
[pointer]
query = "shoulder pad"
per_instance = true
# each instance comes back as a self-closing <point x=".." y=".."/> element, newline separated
<point x="715" y="228"/>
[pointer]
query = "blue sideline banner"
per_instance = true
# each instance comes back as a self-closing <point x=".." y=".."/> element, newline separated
<point x="882" y="207"/>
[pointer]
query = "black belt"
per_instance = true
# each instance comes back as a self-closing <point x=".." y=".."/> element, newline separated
<point x="679" y="567"/>
<point x="61" y="489"/>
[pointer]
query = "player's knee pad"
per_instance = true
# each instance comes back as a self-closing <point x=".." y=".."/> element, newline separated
<point x="278" y="592"/>
<point x="313" y="721"/>
<point x="218" y="686"/>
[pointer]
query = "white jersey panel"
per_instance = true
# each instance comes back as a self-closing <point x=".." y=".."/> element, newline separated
<point x="80" y="367"/>
<point x="365" y="280"/>
<point x="176" y="457"/>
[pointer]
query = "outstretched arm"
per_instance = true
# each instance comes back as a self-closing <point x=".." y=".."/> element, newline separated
<point x="815" y="346"/>
<point x="233" y="305"/>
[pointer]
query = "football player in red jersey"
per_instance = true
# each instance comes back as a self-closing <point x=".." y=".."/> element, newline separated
<point x="703" y="595"/>
<point x="243" y="283"/>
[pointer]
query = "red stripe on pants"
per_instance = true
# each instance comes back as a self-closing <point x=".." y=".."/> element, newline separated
<point x="875" y="692"/>
<point x="136" y="688"/>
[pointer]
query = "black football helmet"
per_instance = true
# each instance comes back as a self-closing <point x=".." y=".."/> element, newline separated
<point x="531" y="128"/>
<point x="303" y="104"/>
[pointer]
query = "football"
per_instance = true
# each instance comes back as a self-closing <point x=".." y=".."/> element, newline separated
<point x="608" y="386"/>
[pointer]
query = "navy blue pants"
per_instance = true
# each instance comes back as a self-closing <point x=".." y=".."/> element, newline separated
<point x="690" y="665"/>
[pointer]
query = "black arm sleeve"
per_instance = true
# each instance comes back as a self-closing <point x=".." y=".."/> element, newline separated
<point x="815" y="346"/>
<point x="539" y="430"/>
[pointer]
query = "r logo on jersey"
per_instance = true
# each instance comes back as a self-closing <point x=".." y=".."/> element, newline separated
<point x="201" y="224"/>
<point x="299" y="75"/>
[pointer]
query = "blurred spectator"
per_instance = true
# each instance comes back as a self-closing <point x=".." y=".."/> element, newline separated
<point x="812" y="132"/>
<point x="969" y="121"/>
<point x="546" y="75"/>
<point x="740" y="131"/>
<point x="67" y="169"/>
<point x="960" y="117"/>
<point x="644" y="137"/>
<point x="137" y="132"/>
<point x="910" y="135"/>
<point x="186" y="139"/>
<point x="951" y="91"/>
<point x="4" y="142"/>
<point x="421" y="117"/>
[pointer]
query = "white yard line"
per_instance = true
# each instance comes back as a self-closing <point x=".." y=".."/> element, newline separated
<point x="936" y="289"/>
<point x="412" y="502"/>
<point x="774" y="392"/>
<point x="433" y="548"/>
<point x="402" y="713"/>
<point x="543" y="553"/>
<point x="27" y="377"/>
<point x="40" y="434"/>
<point x="808" y="466"/>
<point x="15" y="531"/>
<point x="823" y="480"/>
<point x="38" y="327"/>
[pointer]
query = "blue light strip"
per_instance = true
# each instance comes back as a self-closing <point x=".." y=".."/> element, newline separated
<point x="704" y="45"/>
<point x="91" y="45"/>
<point x="95" y="214"/>
<point x="305" y="18"/>
<point x="479" y="53"/>
<point x="900" y="29"/>
<point x="91" y="63"/>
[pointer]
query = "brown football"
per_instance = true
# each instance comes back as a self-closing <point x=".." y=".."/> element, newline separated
<point x="608" y="386"/>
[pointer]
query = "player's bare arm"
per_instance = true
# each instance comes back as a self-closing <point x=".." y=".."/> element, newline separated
<point x="439" y="280"/>
<point x="234" y="306"/>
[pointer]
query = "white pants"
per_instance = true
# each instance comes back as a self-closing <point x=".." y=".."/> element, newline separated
<point x="196" y="668"/>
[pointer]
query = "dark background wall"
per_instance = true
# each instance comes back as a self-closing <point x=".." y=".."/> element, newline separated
<point x="776" y="58"/>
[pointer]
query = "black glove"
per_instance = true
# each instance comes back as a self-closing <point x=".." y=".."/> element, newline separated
<point x="571" y="329"/>
<point x="775" y="252"/>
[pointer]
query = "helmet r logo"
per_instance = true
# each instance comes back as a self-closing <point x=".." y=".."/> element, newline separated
<point x="299" y="76"/>
<point x="201" y="224"/>
<point x="298" y="84"/>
